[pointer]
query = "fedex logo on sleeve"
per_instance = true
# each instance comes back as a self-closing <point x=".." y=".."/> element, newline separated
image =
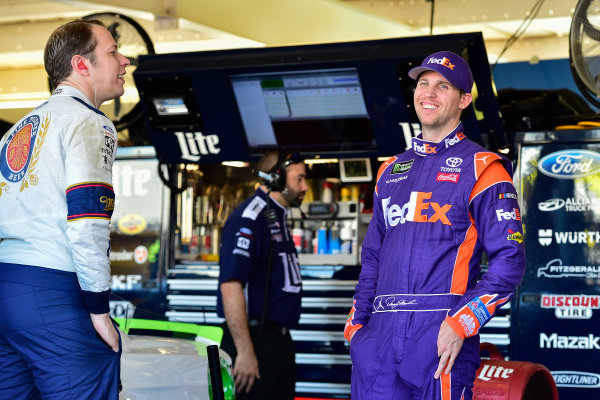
<point x="415" y="210"/>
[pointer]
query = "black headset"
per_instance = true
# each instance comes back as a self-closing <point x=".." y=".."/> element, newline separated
<point x="275" y="179"/>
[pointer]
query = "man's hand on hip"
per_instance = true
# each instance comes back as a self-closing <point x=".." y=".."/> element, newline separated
<point x="107" y="331"/>
<point x="449" y="345"/>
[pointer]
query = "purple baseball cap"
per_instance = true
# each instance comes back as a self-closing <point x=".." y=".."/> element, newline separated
<point x="450" y="65"/>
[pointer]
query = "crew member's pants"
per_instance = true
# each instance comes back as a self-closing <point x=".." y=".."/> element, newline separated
<point x="394" y="356"/>
<point x="275" y="352"/>
<point x="48" y="346"/>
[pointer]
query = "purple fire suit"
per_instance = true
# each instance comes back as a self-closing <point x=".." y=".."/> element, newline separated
<point x="437" y="208"/>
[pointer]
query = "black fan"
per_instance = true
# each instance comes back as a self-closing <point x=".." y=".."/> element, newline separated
<point x="584" y="49"/>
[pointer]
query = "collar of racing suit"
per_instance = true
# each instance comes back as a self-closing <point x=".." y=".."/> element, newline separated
<point x="426" y="148"/>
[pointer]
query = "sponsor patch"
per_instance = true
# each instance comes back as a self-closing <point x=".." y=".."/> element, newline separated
<point x="402" y="167"/>
<point x="444" y="177"/>
<point x="556" y="269"/>
<point x="241" y="252"/>
<point x="512" y="196"/>
<point x="468" y="324"/>
<point x="576" y="379"/>
<point x="396" y="180"/>
<point x="515" y="214"/>
<point x="84" y="200"/>
<point x="454" y="162"/>
<point x="479" y="310"/>
<point x="20" y="151"/>
<point x="243" y="242"/>
<point x="516" y="236"/>
<point x="254" y="208"/>
<point x="106" y="152"/>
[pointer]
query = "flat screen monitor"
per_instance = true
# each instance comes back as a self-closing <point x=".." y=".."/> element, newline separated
<point x="346" y="100"/>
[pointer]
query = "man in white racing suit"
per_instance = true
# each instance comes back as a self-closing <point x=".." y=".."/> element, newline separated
<point x="57" y="340"/>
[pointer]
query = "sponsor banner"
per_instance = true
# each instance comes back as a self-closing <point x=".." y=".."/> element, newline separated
<point x="587" y="237"/>
<point x="576" y="379"/>
<point x="564" y="342"/>
<point x="570" y="204"/>
<point x="570" y="164"/>
<point x="555" y="269"/>
<point x="571" y="306"/>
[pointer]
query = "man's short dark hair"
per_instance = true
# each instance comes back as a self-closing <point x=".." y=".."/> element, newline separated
<point x="68" y="40"/>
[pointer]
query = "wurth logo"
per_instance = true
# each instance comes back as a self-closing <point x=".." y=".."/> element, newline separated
<point x="442" y="61"/>
<point x="424" y="149"/>
<point x="394" y="214"/>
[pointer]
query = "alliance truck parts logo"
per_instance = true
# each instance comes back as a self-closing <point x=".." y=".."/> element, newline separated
<point x="570" y="164"/>
<point x="571" y="306"/>
<point x="194" y="145"/>
<point x="572" y="204"/>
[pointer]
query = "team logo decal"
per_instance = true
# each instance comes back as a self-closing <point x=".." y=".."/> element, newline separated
<point x="402" y="167"/>
<point x="453" y="162"/>
<point x="570" y="164"/>
<point x="21" y="151"/>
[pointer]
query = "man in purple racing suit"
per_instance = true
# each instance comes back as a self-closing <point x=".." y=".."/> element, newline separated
<point x="437" y="207"/>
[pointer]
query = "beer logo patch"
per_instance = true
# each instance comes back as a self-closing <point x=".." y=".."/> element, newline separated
<point x="16" y="152"/>
<point x="20" y="153"/>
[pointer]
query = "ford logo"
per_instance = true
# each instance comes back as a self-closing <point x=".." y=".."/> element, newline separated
<point x="570" y="164"/>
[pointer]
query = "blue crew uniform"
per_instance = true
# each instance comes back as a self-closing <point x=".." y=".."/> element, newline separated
<point x="255" y="229"/>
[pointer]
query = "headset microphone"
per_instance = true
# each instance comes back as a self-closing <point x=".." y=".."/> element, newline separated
<point x="268" y="177"/>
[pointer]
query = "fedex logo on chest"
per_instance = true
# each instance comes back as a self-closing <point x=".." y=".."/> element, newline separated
<point x="417" y="209"/>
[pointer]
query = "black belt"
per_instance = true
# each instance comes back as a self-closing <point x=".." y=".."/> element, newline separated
<point x="269" y="326"/>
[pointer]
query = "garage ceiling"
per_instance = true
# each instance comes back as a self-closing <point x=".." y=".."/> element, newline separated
<point x="194" y="25"/>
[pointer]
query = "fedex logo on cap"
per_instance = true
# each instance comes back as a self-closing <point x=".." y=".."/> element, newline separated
<point x="442" y="61"/>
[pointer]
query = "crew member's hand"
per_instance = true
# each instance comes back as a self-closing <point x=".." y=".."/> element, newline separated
<point x="107" y="331"/>
<point x="449" y="345"/>
<point x="245" y="371"/>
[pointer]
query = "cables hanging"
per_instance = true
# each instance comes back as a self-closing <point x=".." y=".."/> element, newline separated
<point x="521" y="29"/>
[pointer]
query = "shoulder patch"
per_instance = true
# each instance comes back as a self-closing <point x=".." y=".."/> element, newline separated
<point x="484" y="160"/>
<point x="382" y="168"/>
<point x="254" y="208"/>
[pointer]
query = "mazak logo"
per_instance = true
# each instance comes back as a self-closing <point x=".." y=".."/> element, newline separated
<point x="425" y="148"/>
<point x="454" y="139"/>
<point x="443" y="177"/>
<point x="515" y="214"/>
<point x="412" y="211"/>
<point x="193" y="145"/>
<point x="571" y="306"/>
<point x="589" y="238"/>
<point x="572" y="204"/>
<point x="442" y="61"/>
<point x="402" y="167"/>
<point x="570" y="164"/>
<point x="494" y="371"/>
<point x="554" y="341"/>
<point x="556" y="269"/>
<point x="576" y="379"/>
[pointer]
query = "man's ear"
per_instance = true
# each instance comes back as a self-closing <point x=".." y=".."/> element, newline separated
<point x="79" y="65"/>
<point x="465" y="100"/>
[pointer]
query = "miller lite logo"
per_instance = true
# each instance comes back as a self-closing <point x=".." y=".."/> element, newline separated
<point x="442" y="61"/>
<point x="109" y="203"/>
<point x="193" y="145"/>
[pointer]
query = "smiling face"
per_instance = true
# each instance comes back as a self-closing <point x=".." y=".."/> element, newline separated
<point x="438" y="105"/>
<point x="108" y="68"/>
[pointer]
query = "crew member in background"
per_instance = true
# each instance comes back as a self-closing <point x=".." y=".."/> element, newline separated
<point x="419" y="306"/>
<point x="258" y="259"/>
<point x="57" y="340"/>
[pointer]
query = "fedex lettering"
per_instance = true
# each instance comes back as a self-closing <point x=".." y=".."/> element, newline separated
<point x="515" y="214"/>
<point x="393" y="214"/>
<point x="442" y="61"/>
<point x="424" y="149"/>
<point x="195" y="144"/>
<point x="454" y="139"/>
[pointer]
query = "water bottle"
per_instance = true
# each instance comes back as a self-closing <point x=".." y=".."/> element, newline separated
<point x="322" y="242"/>
<point x="334" y="239"/>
